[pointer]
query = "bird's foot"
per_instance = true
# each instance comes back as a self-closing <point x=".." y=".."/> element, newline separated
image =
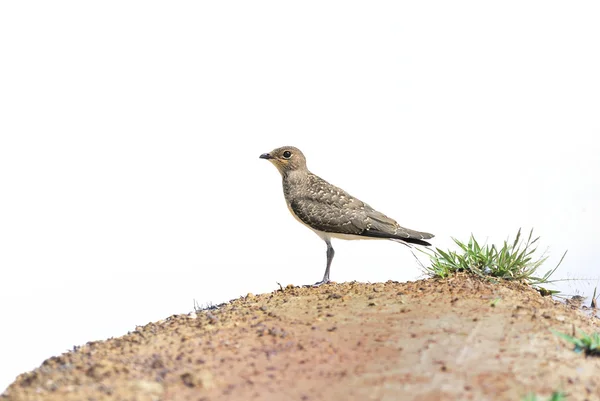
<point x="320" y="283"/>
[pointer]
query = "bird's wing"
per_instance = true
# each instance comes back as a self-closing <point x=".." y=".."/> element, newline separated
<point x="381" y="224"/>
<point x="329" y="216"/>
<point x="332" y="210"/>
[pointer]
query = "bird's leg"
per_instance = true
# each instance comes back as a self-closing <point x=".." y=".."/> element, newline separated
<point x="330" y="253"/>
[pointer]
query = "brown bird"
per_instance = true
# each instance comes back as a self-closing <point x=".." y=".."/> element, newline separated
<point x="330" y="211"/>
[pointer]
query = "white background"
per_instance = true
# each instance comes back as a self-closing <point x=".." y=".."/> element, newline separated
<point x="130" y="183"/>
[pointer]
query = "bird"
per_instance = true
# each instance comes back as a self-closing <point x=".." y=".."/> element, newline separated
<point x="330" y="211"/>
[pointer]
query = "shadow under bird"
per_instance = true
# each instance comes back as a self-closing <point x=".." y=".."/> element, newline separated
<point x="330" y="211"/>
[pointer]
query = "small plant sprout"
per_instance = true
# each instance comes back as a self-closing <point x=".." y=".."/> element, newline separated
<point x="545" y="292"/>
<point x="511" y="261"/>
<point x="556" y="396"/>
<point x="208" y="306"/>
<point x="588" y="344"/>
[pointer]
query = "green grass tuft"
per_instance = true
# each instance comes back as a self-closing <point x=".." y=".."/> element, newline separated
<point x="588" y="344"/>
<point x="511" y="261"/>
<point x="556" y="396"/>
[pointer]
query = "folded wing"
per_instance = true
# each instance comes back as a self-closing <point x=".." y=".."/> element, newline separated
<point x="342" y="214"/>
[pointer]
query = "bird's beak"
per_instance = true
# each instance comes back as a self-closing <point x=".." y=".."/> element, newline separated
<point x="266" y="156"/>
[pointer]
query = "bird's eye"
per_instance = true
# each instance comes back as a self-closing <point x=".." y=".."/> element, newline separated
<point x="287" y="154"/>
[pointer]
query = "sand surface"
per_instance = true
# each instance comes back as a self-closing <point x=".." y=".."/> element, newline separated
<point x="453" y="339"/>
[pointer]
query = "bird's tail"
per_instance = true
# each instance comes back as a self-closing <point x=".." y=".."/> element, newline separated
<point x="412" y="236"/>
<point x="405" y="236"/>
<point x="410" y="240"/>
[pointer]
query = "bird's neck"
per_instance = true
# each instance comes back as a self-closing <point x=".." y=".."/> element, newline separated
<point x="292" y="181"/>
<point x="295" y="176"/>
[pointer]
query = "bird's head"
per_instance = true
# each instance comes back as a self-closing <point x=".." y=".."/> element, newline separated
<point x="287" y="159"/>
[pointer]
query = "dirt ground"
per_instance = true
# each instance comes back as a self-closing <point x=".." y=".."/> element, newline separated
<point x="453" y="339"/>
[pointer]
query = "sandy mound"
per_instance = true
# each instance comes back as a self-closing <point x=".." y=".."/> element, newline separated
<point x="454" y="339"/>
